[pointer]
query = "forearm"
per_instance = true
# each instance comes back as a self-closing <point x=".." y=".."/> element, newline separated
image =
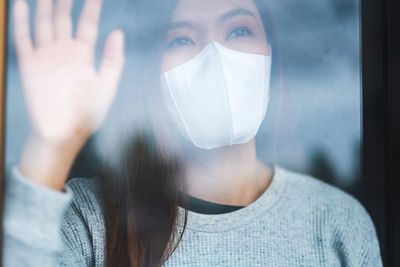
<point x="48" y="164"/>
<point x="31" y="223"/>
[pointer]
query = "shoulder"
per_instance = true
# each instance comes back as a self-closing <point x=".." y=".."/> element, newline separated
<point x="83" y="227"/>
<point x="85" y="210"/>
<point x="347" y="223"/>
<point x="317" y="194"/>
<point x="83" y="187"/>
<point x="86" y="196"/>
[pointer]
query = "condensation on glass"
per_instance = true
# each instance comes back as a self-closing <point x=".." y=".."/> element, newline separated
<point x="312" y="122"/>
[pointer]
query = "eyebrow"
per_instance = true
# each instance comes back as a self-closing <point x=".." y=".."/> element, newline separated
<point x="228" y="15"/>
<point x="237" y="12"/>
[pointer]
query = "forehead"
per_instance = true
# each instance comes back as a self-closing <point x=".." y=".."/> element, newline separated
<point x="210" y="10"/>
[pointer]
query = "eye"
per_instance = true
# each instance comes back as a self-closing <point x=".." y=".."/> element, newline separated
<point x="239" y="32"/>
<point x="181" y="41"/>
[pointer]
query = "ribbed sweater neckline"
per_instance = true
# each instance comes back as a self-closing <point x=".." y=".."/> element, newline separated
<point x="232" y="220"/>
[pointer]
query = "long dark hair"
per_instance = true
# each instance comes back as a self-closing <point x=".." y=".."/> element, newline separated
<point x="140" y="196"/>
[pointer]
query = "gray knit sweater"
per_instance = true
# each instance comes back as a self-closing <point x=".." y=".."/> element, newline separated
<point x="297" y="221"/>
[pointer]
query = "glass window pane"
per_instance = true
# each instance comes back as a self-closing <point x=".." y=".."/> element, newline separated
<point x="207" y="133"/>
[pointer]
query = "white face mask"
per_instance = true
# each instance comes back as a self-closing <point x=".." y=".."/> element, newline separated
<point x="219" y="97"/>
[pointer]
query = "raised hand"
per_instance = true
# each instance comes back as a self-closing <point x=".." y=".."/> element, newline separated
<point x="66" y="97"/>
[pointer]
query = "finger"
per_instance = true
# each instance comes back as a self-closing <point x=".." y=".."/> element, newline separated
<point x="62" y="20"/>
<point x="23" y="42"/>
<point x="43" y="22"/>
<point x="113" y="60"/>
<point x="88" y="22"/>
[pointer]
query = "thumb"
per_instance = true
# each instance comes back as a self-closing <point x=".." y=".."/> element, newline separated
<point x="113" y="60"/>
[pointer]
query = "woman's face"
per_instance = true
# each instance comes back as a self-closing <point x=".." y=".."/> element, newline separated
<point x="235" y="24"/>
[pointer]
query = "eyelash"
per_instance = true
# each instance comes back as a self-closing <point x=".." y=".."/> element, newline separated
<point x="247" y="32"/>
<point x="177" y="42"/>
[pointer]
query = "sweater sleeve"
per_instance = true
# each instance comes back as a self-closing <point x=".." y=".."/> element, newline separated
<point x="33" y="215"/>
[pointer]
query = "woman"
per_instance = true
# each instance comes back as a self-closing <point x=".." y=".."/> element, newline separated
<point x="214" y="59"/>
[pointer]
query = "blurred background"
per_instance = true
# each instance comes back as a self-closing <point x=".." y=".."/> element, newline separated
<point x="319" y="123"/>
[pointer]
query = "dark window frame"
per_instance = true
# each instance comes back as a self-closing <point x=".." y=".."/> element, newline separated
<point x="381" y="117"/>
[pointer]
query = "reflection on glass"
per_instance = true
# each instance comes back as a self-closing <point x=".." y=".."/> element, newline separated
<point x="191" y="125"/>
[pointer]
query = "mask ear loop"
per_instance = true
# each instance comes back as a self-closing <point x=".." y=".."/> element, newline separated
<point x="278" y="114"/>
<point x="271" y="160"/>
<point x="268" y="61"/>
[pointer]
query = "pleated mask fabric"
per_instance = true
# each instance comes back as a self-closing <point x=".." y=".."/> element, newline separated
<point x="219" y="97"/>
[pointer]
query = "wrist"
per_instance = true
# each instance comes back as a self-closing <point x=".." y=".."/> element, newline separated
<point x="58" y="144"/>
<point x="48" y="163"/>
